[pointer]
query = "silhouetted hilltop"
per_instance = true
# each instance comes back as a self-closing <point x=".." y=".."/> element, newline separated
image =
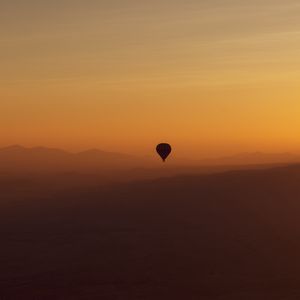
<point x="20" y="159"/>
<point x="255" y="158"/>
<point x="99" y="154"/>
<point x="94" y="158"/>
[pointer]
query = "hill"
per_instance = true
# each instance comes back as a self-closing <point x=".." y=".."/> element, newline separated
<point x="255" y="158"/>
<point x="232" y="235"/>
<point x="42" y="159"/>
<point x="37" y="160"/>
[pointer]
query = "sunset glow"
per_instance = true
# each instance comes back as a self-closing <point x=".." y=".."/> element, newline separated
<point x="210" y="77"/>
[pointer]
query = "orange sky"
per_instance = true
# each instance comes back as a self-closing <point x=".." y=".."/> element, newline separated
<point x="211" y="77"/>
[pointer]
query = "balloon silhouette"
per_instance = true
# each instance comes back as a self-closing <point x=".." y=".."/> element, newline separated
<point x="164" y="150"/>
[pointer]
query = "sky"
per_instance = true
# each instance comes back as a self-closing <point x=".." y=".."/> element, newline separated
<point x="210" y="77"/>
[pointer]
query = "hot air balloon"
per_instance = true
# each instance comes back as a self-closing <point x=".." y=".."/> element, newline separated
<point x="164" y="150"/>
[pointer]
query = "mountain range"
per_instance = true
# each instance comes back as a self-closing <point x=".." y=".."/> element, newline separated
<point x="18" y="158"/>
<point x="38" y="159"/>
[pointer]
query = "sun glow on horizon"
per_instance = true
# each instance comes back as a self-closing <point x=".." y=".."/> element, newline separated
<point x="211" y="78"/>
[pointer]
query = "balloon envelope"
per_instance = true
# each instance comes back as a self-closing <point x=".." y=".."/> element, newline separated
<point x="164" y="150"/>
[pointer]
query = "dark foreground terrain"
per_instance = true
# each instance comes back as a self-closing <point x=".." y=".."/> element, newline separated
<point x="234" y="235"/>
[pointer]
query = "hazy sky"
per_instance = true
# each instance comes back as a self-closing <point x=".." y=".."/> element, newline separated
<point x="211" y="77"/>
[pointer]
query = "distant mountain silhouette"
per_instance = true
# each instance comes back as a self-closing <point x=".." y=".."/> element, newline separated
<point x="257" y="158"/>
<point x="96" y="153"/>
<point x="42" y="159"/>
<point x="17" y="158"/>
<point x="17" y="151"/>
